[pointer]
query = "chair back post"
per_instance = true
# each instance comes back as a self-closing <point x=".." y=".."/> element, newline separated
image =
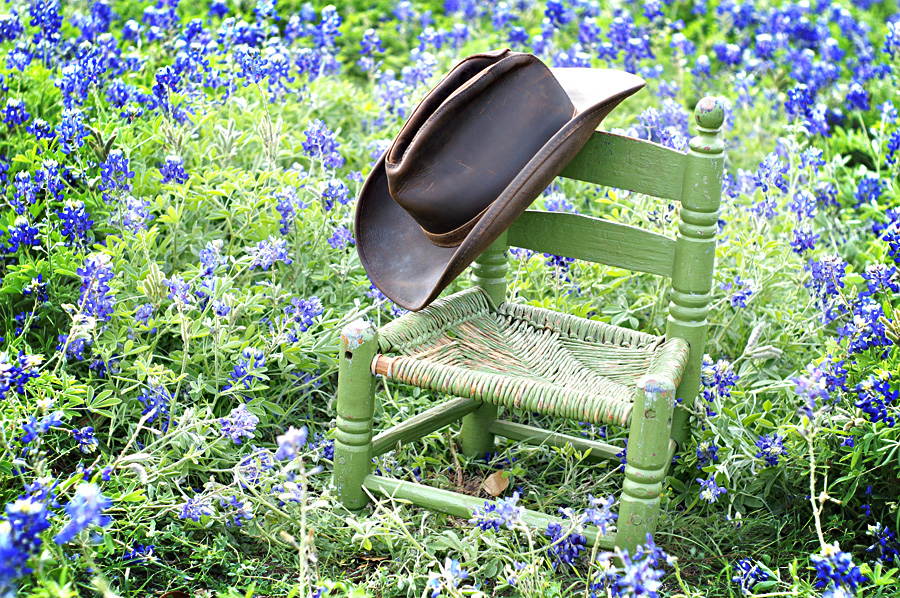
<point x="489" y="270"/>
<point x="695" y="251"/>
<point x="489" y="273"/>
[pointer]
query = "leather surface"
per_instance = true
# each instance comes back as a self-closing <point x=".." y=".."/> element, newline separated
<point x="394" y="249"/>
<point x="446" y="174"/>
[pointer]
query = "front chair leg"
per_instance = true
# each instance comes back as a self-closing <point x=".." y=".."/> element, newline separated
<point x="355" y="412"/>
<point x="647" y="461"/>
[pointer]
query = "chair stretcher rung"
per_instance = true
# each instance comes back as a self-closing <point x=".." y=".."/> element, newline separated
<point x="599" y="451"/>
<point x="461" y="505"/>
<point x="423" y="423"/>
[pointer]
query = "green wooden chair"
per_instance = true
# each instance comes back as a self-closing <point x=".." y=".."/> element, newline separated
<point x="489" y="353"/>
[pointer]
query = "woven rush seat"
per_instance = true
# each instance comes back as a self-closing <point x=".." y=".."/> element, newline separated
<point x="525" y="357"/>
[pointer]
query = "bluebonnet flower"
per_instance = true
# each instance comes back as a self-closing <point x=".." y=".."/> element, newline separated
<point x="287" y="203"/>
<point x="179" y="291"/>
<point x="335" y="190"/>
<point x="34" y="428"/>
<point x="804" y="240"/>
<point x="701" y="67"/>
<point x="869" y="190"/>
<point x="421" y="71"/>
<point x="239" y="424"/>
<point x="892" y="39"/>
<point x="799" y="101"/>
<point x="144" y="313"/>
<point x="498" y="513"/>
<point x="19" y="57"/>
<point x="707" y="452"/>
<point x="267" y="252"/>
<point x="41" y="129"/>
<point x="195" y="508"/>
<point x="20" y="538"/>
<point x="803" y="205"/>
<point x="742" y="290"/>
<point x="517" y="37"/>
<point x="87" y="443"/>
<point x="96" y="300"/>
<point x="857" y="97"/>
<point x="599" y="513"/>
<point x="557" y="202"/>
<point x="321" y="142"/>
<point x="290" y="443"/>
<point x="340" y="238"/>
<point x="173" y="170"/>
<point x="251" y="359"/>
<point x="893" y="146"/>
<point x="450" y="575"/>
<point x="25" y="192"/>
<point x="369" y="45"/>
<point x="709" y="491"/>
<point x="300" y="315"/>
<point x="254" y="465"/>
<point x="880" y="278"/>
<point x="565" y="548"/>
<point x="115" y="174"/>
<point x="85" y="509"/>
<point x="254" y="66"/>
<point x="133" y="214"/>
<point x="717" y="378"/>
<point x="811" y="387"/>
<point x="836" y="572"/>
<point x="15" y="113"/>
<point x="71" y="131"/>
<point x="770" y="448"/>
<point x="211" y="257"/>
<point x="771" y="173"/>
<point x="827" y="276"/>
<point x="639" y="575"/>
<point x="874" y="395"/>
<point x="265" y="9"/>
<point x="75" y="347"/>
<point x="236" y="511"/>
<point x="156" y="398"/>
<point x="747" y="574"/>
<point x="886" y="547"/>
<point x="10" y="27"/>
<point x="76" y="222"/>
<point x="139" y="554"/>
<point x="22" y="235"/>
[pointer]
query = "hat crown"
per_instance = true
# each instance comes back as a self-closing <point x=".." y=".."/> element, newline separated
<point x="470" y="137"/>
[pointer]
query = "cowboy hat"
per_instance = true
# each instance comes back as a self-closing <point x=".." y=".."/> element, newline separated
<point x="473" y="155"/>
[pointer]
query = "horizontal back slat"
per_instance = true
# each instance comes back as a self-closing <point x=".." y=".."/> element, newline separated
<point x="632" y="164"/>
<point x="594" y="240"/>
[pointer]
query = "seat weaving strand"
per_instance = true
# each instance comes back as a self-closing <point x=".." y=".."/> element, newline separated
<point x="526" y="357"/>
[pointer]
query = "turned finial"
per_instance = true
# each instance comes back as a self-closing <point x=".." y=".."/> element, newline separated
<point x="710" y="113"/>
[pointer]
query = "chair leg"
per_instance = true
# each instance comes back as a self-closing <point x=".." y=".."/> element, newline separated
<point x="355" y="412"/>
<point x="475" y="436"/>
<point x="647" y="461"/>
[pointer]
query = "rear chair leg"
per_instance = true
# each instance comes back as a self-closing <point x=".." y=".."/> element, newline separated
<point x="647" y="461"/>
<point x="355" y="412"/>
<point x="475" y="436"/>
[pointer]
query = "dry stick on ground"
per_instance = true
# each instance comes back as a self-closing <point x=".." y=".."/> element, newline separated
<point x="459" y="477"/>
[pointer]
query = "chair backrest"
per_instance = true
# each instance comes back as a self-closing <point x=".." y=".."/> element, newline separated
<point x="694" y="179"/>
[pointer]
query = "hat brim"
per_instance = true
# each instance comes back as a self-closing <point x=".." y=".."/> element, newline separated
<point x="408" y="268"/>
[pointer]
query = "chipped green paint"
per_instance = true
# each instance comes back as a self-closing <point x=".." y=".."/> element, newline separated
<point x="355" y="410"/>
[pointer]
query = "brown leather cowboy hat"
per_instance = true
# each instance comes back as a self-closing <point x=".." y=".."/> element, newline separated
<point x="474" y="154"/>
